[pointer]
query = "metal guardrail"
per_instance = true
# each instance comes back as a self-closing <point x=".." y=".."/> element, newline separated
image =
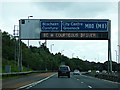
<point x="24" y="73"/>
<point x="107" y="76"/>
<point x="111" y="77"/>
<point x="3" y="74"/>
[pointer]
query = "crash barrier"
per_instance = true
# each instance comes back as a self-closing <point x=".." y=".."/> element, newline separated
<point x="25" y="73"/>
<point x="111" y="77"/>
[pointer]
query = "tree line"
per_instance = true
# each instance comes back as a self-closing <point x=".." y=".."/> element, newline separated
<point x="40" y="58"/>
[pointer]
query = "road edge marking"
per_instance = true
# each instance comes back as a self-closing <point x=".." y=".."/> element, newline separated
<point x="35" y="83"/>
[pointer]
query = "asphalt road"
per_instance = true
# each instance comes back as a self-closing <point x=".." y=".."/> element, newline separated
<point x="75" y="81"/>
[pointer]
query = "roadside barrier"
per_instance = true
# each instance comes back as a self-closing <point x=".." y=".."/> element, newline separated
<point x="25" y="73"/>
<point x="111" y="77"/>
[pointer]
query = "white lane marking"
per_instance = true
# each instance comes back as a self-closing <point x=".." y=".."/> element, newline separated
<point x="89" y="86"/>
<point x="33" y="84"/>
<point x="101" y="79"/>
<point x="77" y="79"/>
<point x="29" y="87"/>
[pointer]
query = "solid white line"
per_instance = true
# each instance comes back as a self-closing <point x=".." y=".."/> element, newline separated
<point x="33" y="84"/>
<point x="82" y="82"/>
<point x="89" y="86"/>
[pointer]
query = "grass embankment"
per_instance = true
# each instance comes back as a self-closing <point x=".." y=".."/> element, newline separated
<point x="14" y="67"/>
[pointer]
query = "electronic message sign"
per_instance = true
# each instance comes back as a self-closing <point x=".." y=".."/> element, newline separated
<point x="79" y="29"/>
<point x="74" y="35"/>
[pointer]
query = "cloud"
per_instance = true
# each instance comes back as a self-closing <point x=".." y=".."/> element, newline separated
<point x="75" y="9"/>
<point x="53" y="6"/>
<point x="12" y="12"/>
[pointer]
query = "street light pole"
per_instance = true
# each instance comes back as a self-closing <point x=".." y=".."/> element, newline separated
<point x="116" y="55"/>
<point x="62" y="62"/>
<point x="29" y="17"/>
<point x="39" y="50"/>
<point x="62" y="52"/>
<point x="84" y="57"/>
<point x="72" y="54"/>
<point x="51" y="47"/>
<point x="28" y="40"/>
<point x="28" y="21"/>
<point x="16" y="53"/>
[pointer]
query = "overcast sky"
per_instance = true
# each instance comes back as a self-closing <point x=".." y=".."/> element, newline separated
<point x="92" y="50"/>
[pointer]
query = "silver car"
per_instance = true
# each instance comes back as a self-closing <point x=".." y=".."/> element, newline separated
<point x="76" y="72"/>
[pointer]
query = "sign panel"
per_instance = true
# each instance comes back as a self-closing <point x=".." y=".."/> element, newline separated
<point x="50" y="26"/>
<point x="29" y="29"/>
<point x="36" y="29"/>
<point x="76" y="25"/>
<point x="74" y="35"/>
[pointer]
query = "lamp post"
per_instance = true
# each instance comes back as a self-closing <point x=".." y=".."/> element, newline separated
<point x="51" y="47"/>
<point x="62" y="52"/>
<point x="62" y="61"/>
<point x="72" y="54"/>
<point x="15" y="34"/>
<point x="77" y="57"/>
<point x="29" y="17"/>
<point x="28" y="21"/>
<point x="84" y="57"/>
<point x="116" y="55"/>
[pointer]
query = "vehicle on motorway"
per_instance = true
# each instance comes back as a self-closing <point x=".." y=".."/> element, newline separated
<point x="97" y="71"/>
<point x="64" y="71"/>
<point x="76" y="72"/>
<point x="104" y="71"/>
<point x="89" y="71"/>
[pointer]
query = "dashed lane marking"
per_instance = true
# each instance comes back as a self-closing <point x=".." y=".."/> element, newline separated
<point x="89" y="86"/>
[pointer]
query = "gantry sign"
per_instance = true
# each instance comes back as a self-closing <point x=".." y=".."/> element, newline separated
<point x="66" y="29"/>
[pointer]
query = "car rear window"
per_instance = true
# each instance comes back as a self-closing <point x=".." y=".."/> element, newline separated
<point x="64" y="68"/>
<point x="76" y="70"/>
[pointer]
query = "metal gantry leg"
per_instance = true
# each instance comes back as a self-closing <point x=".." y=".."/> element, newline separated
<point x="109" y="50"/>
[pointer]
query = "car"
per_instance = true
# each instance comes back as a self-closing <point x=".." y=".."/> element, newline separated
<point x="64" y="71"/>
<point x="104" y="71"/>
<point x="89" y="71"/>
<point x="97" y="71"/>
<point x="76" y="72"/>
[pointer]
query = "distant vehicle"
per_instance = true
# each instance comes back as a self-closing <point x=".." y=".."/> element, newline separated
<point x="76" y="72"/>
<point x="104" y="71"/>
<point x="64" y="71"/>
<point x="89" y="71"/>
<point x="115" y="71"/>
<point x="97" y="71"/>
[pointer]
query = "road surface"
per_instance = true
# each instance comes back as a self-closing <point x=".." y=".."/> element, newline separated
<point x="75" y="81"/>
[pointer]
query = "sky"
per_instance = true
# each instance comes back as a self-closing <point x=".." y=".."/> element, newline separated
<point x="92" y="50"/>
